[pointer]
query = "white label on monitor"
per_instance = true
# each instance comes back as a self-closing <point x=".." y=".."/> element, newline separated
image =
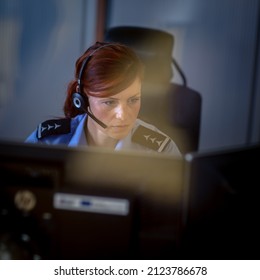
<point x="103" y="205"/>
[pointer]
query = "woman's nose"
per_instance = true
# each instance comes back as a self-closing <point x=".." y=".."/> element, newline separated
<point x="121" y="112"/>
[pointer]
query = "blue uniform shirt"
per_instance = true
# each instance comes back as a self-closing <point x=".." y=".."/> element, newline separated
<point x="70" y="132"/>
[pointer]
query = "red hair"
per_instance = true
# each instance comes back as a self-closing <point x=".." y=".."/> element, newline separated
<point x="111" y="68"/>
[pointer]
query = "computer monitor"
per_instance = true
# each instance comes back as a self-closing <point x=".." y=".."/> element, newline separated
<point x="58" y="202"/>
<point x="221" y="204"/>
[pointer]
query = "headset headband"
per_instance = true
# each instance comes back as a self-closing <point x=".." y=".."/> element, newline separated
<point x="85" y="62"/>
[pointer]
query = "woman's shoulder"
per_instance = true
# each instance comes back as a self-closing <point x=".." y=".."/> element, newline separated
<point x="150" y="136"/>
<point x="55" y="131"/>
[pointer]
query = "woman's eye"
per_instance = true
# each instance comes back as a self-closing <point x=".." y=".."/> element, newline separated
<point x="134" y="100"/>
<point x="109" y="102"/>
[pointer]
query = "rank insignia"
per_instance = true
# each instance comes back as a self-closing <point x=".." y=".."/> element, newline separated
<point x="53" y="127"/>
<point x="150" y="138"/>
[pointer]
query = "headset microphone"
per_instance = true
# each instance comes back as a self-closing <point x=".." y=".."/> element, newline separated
<point x="95" y="119"/>
<point x="79" y="103"/>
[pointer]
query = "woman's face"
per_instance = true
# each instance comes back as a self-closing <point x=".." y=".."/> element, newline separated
<point x="117" y="112"/>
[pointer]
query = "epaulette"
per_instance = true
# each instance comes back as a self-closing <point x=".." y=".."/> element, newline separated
<point x="150" y="138"/>
<point x="53" y="127"/>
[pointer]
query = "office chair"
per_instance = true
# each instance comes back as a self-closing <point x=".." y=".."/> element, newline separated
<point x="174" y="108"/>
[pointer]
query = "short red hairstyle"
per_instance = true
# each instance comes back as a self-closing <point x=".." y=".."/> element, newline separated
<point x="110" y="68"/>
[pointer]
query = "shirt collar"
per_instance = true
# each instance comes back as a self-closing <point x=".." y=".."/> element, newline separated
<point x="79" y="137"/>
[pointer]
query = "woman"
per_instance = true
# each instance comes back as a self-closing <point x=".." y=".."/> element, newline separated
<point x="102" y="105"/>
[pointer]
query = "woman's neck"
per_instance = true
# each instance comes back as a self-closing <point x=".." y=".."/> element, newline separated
<point x="96" y="137"/>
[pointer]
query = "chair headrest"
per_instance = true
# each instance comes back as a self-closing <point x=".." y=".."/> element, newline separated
<point x="154" y="47"/>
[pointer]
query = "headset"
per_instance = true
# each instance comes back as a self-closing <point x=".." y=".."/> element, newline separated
<point x="78" y="99"/>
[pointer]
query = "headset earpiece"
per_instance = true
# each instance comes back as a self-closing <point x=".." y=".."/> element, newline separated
<point x="78" y="101"/>
<point x="77" y="98"/>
